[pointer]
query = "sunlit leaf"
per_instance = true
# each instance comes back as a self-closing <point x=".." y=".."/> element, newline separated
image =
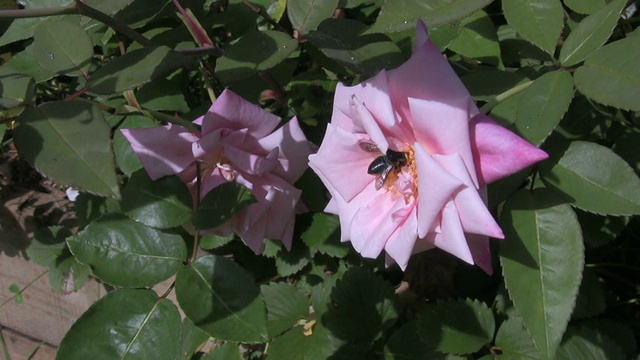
<point x="15" y="88"/>
<point x="222" y="299"/>
<point x="590" y="34"/>
<point x="123" y="252"/>
<point x="306" y="15"/>
<point x="611" y="187"/>
<point x="62" y="47"/>
<point x="136" y="68"/>
<point x="285" y="306"/>
<point x="542" y="106"/>
<point x="164" y="203"/>
<point x="70" y="142"/>
<point x="610" y="75"/>
<point x="514" y="341"/>
<point x="398" y="15"/>
<point x="253" y="52"/>
<point x="125" y="324"/>
<point x="542" y="239"/>
<point x="538" y="21"/>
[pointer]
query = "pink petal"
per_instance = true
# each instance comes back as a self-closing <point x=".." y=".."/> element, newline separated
<point x="436" y="188"/>
<point x="451" y="237"/>
<point x="443" y="129"/>
<point x="342" y="163"/>
<point x="472" y="209"/>
<point x="427" y="75"/>
<point x="401" y="243"/>
<point x="163" y="150"/>
<point x="294" y="148"/>
<point x="481" y="252"/>
<point x="362" y="117"/>
<point x="498" y="151"/>
<point x="231" y="111"/>
<point x="251" y="163"/>
<point x="374" y="223"/>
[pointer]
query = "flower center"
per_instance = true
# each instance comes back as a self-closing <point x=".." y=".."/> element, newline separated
<point x="395" y="171"/>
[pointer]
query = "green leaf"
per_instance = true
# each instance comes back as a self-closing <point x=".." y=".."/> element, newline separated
<point x="136" y="68"/>
<point x="89" y="207"/>
<point x="3" y="129"/>
<point x="62" y="47"/>
<point x="192" y="338"/>
<point x="339" y="40"/>
<point x="409" y="342"/>
<point x="14" y="289"/>
<point x="306" y="15"/>
<point x="226" y="351"/>
<point x="323" y="235"/>
<point x="221" y="298"/>
<point x="586" y="344"/>
<point x="70" y="142"/>
<point x="125" y="324"/>
<point x="538" y="21"/>
<point x="478" y="39"/>
<point x="542" y="106"/>
<point x="254" y="52"/>
<point x="295" y="345"/>
<point x="20" y="29"/>
<point x="514" y="341"/>
<point x="49" y="248"/>
<point x="399" y="15"/>
<point x="285" y="306"/>
<point x="126" y="159"/>
<point x="289" y="262"/>
<point x="123" y="252"/>
<point x="457" y="326"/>
<point x="611" y="187"/>
<point x="362" y="307"/>
<point x="212" y="241"/>
<point x="610" y="75"/>
<point x="24" y="62"/>
<point x="541" y="235"/>
<point x="221" y="204"/>
<point x="487" y="84"/>
<point x="590" y="301"/>
<point x="591" y="33"/>
<point x="585" y="6"/>
<point x="16" y="89"/>
<point x="163" y="95"/>
<point x="164" y="203"/>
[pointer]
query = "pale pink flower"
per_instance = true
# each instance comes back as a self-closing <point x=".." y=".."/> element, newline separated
<point x="237" y="143"/>
<point x="434" y="195"/>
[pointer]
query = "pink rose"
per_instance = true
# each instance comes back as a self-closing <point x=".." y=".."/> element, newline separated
<point x="407" y="157"/>
<point x="238" y="143"/>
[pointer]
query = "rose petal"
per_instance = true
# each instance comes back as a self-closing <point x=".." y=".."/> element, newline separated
<point x="294" y="150"/>
<point x="231" y="111"/>
<point x="481" y="251"/>
<point x="163" y="150"/>
<point x="443" y="129"/>
<point x="251" y="163"/>
<point x="472" y="209"/>
<point x="452" y="238"/>
<point x="363" y="118"/>
<point x="498" y="151"/>
<point x="401" y="243"/>
<point x="427" y="75"/>
<point x="340" y="158"/>
<point x="436" y="188"/>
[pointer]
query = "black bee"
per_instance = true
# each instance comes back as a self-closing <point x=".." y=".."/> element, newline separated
<point x="384" y="163"/>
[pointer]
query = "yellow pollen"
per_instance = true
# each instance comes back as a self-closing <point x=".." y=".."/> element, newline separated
<point x="411" y="169"/>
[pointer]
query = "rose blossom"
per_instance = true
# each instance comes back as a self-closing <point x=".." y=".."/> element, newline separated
<point x="237" y="143"/>
<point x="444" y="153"/>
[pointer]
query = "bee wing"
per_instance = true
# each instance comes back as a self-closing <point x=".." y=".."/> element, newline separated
<point x="369" y="147"/>
<point x="382" y="178"/>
